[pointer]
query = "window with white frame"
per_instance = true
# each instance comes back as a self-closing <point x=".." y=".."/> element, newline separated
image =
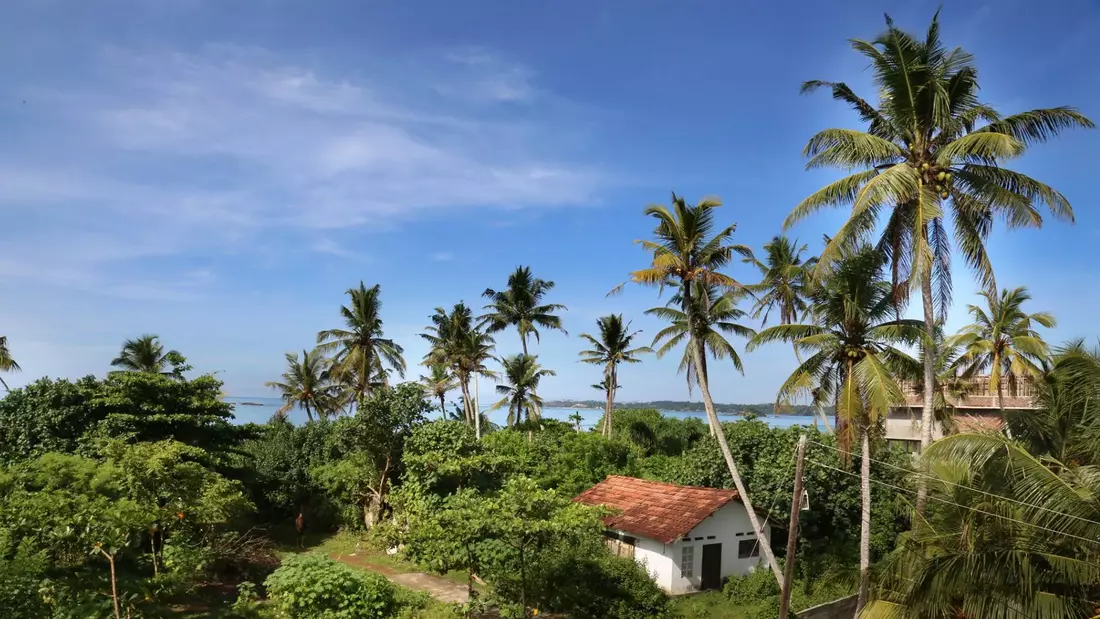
<point x="687" y="561"/>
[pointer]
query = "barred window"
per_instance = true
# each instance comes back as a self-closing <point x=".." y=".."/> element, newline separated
<point x="747" y="549"/>
<point x="687" y="562"/>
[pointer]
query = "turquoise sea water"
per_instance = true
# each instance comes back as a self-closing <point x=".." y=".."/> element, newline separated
<point x="268" y="406"/>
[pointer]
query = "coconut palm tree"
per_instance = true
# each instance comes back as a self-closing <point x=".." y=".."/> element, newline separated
<point x="852" y="361"/>
<point x="438" y="382"/>
<point x="7" y="363"/>
<point x="307" y="384"/>
<point x="784" y="279"/>
<point x="612" y="348"/>
<point x="1015" y="524"/>
<point x="1003" y="341"/>
<point x="715" y="315"/>
<point x="521" y="374"/>
<point x="145" y="354"/>
<point x="520" y="305"/>
<point x="932" y="152"/>
<point x="687" y="252"/>
<point x="457" y="343"/>
<point x="361" y="349"/>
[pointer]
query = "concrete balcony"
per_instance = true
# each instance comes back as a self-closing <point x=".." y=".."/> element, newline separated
<point x="974" y="394"/>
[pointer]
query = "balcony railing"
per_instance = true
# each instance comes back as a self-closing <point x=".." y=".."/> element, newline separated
<point x="964" y="393"/>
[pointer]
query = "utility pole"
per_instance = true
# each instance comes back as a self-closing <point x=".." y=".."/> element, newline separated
<point x="477" y="410"/>
<point x="792" y="535"/>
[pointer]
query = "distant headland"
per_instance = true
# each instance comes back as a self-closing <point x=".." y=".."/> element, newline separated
<point x="767" y="408"/>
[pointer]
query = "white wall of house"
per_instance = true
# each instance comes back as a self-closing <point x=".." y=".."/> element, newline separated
<point x="728" y="526"/>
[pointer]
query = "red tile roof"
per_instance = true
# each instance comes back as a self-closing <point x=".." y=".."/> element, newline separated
<point x="660" y="511"/>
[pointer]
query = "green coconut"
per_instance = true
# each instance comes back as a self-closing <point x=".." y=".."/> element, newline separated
<point x="947" y="177"/>
<point x="941" y="176"/>
<point x="944" y="195"/>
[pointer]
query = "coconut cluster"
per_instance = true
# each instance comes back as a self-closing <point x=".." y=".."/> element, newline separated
<point x="939" y="177"/>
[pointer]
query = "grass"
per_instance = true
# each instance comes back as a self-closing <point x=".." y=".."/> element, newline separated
<point x="707" y="605"/>
<point x="346" y="543"/>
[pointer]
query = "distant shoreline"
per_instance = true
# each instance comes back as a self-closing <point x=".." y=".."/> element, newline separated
<point x="766" y="409"/>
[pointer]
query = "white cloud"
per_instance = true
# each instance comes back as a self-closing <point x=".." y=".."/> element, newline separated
<point x="166" y="153"/>
<point x="443" y="256"/>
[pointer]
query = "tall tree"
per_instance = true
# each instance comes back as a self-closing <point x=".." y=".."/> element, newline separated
<point x="521" y="374"/>
<point x="307" y="384"/>
<point x="520" y="305"/>
<point x="459" y="344"/>
<point x="687" y="252"/>
<point x="361" y="348"/>
<point x="146" y="354"/>
<point x="438" y="382"/>
<point x="612" y="348"/>
<point x="715" y="315"/>
<point x="852" y="361"/>
<point x="784" y="280"/>
<point x="7" y="362"/>
<point x="932" y="151"/>
<point x="1003" y="341"/>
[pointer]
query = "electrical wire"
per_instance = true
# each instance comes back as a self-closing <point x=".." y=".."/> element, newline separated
<point x="973" y="509"/>
<point x="965" y="487"/>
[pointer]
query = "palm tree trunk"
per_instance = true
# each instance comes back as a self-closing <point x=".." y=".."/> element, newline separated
<point x="610" y="382"/>
<point x="927" y="417"/>
<point x="466" y="401"/>
<point x="864" y="519"/>
<point x="523" y="339"/>
<point x="443" y="405"/>
<point x="309" y="414"/>
<point x="716" y="429"/>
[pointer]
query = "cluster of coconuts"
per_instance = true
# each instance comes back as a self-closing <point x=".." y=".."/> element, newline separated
<point x="942" y="179"/>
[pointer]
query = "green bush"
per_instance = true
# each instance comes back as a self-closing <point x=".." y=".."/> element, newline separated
<point x="316" y="587"/>
<point x="756" y="591"/>
<point x="603" y="586"/>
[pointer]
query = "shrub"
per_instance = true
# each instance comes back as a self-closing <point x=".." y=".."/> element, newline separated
<point x="316" y="587"/>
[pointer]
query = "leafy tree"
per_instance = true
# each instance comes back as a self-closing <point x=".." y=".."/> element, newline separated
<point x="931" y="149"/>
<point x="146" y="354"/>
<point x="361" y="348"/>
<point x="520" y="305"/>
<point x="612" y="348"/>
<point x="377" y="434"/>
<point x="656" y="434"/>
<point x="443" y="457"/>
<point x="1003" y="341"/>
<point x="438" y="382"/>
<point x="715" y="315"/>
<point x="7" y="362"/>
<point x="45" y="416"/>
<point x="307" y="586"/>
<point x="853" y="362"/>
<point x="522" y="375"/>
<point x="687" y="253"/>
<point x="306" y="384"/>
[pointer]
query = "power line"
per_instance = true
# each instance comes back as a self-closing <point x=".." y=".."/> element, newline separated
<point x="973" y="509"/>
<point x="965" y="487"/>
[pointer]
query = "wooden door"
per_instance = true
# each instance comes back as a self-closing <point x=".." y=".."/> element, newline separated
<point x="711" y="575"/>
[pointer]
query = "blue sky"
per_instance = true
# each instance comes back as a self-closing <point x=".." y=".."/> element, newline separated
<point x="219" y="173"/>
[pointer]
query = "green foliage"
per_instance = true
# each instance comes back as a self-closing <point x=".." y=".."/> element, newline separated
<point x="588" y="583"/>
<point x="47" y="415"/>
<point x="277" y="464"/>
<point x="310" y="586"/>
<point x="655" y="433"/>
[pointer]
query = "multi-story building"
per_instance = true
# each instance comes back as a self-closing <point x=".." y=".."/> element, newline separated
<point x="976" y="408"/>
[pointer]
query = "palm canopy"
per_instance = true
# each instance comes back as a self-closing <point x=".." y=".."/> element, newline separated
<point x="458" y="344"/>
<point x="716" y="315"/>
<point x="7" y="362"/>
<point x="521" y="375"/>
<point x="307" y="384"/>
<point x="784" y="279"/>
<point x="930" y="149"/>
<point x="852" y="344"/>
<point x="438" y="382"/>
<point x="361" y="348"/>
<point x="1003" y="340"/>
<point x="144" y="354"/>
<point x="612" y="347"/>
<point x="520" y="305"/>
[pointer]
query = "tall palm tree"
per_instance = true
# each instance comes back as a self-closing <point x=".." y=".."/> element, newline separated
<point x="361" y="348"/>
<point x="931" y="150"/>
<point x="520" y="305"/>
<point x="784" y="280"/>
<point x="687" y="252"/>
<point x="438" y="382"/>
<point x="456" y="342"/>
<point x="715" y="315"/>
<point x="612" y="348"/>
<point x="7" y="363"/>
<point x="521" y="375"/>
<point x="852" y="361"/>
<point x="1003" y="341"/>
<point x="307" y="384"/>
<point x="144" y="354"/>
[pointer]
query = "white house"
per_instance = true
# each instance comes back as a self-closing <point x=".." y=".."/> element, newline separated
<point x="688" y="538"/>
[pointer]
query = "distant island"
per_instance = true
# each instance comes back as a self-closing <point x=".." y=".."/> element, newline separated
<point x="767" y="408"/>
<point x="247" y="404"/>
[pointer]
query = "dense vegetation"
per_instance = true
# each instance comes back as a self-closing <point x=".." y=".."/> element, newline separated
<point x="136" y="495"/>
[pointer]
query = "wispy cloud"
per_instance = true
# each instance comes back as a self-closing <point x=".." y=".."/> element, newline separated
<point x="443" y="256"/>
<point x="158" y="153"/>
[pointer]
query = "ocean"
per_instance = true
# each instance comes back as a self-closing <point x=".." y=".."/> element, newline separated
<point x="264" y="408"/>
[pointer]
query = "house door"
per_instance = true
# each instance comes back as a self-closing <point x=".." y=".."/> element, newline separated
<point x="712" y="566"/>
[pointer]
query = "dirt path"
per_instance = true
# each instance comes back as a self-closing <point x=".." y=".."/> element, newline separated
<point x="440" y="588"/>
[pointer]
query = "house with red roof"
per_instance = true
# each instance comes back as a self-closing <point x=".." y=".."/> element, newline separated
<point x="688" y="538"/>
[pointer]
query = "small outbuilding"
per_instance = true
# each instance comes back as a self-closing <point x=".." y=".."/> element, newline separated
<point x="688" y="538"/>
